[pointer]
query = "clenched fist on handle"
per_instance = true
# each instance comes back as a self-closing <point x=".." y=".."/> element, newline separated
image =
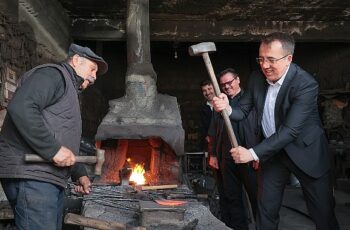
<point x="64" y="157"/>
<point x="241" y="155"/>
<point x="221" y="102"/>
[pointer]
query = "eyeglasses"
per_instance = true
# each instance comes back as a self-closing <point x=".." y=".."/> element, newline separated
<point x="228" y="83"/>
<point x="270" y="60"/>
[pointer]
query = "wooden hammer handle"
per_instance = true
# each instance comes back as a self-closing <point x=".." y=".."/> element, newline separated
<point x="224" y="113"/>
<point x="80" y="159"/>
<point x="156" y="187"/>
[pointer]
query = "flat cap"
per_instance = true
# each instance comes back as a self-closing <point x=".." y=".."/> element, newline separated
<point x="86" y="52"/>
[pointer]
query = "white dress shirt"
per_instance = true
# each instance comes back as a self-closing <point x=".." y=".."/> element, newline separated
<point x="268" y="119"/>
<point x="210" y="105"/>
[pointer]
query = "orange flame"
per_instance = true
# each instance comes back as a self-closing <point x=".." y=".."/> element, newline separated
<point x="137" y="175"/>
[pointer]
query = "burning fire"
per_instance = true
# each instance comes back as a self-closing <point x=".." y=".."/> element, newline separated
<point x="137" y="175"/>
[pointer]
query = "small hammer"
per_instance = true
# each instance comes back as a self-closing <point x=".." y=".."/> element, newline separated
<point x="99" y="159"/>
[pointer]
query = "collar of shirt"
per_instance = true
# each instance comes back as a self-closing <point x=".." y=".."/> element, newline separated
<point x="210" y="105"/>
<point x="76" y="79"/>
<point x="238" y="94"/>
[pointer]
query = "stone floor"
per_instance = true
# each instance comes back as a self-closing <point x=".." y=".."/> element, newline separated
<point x="294" y="215"/>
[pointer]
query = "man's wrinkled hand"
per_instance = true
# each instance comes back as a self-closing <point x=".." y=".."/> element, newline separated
<point x="241" y="155"/>
<point x="213" y="162"/>
<point x="221" y="102"/>
<point x="64" y="157"/>
<point x="83" y="186"/>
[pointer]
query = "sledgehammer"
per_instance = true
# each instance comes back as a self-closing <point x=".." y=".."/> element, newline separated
<point x="202" y="49"/>
<point x="99" y="159"/>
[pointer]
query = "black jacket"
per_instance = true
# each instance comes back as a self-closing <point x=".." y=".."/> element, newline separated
<point x="205" y="115"/>
<point x="247" y="131"/>
<point x="42" y="116"/>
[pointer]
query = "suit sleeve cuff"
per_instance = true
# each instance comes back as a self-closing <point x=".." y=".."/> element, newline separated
<point x="256" y="158"/>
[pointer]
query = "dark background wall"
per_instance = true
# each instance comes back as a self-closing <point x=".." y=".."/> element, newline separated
<point x="179" y="77"/>
<point x="329" y="63"/>
<point x="19" y="52"/>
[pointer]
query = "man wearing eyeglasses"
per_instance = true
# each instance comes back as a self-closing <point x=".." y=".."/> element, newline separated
<point x="286" y="100"/>
<point x="43" y="118"/>
<point x="231" y="177"/>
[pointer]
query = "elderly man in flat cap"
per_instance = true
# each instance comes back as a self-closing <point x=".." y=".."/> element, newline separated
<point x="44" y="118"/>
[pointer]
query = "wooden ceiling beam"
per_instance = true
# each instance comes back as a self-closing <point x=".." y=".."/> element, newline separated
<point x="203" y="30"/>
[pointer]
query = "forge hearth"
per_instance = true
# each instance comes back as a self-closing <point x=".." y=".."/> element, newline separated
<point x="159" y="161"/>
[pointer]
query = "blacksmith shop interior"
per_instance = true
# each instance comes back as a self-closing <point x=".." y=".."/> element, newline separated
<point x="148" y="116"/>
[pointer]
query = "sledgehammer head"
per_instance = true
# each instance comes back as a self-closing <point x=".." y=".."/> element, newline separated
<point x="199" y="49"/>
<point x="100" y="159"/>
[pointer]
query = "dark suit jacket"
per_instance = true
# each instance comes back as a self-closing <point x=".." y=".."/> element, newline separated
<point x="205" y="115"/>
<point x="217" y="130"/>
<point x="299" y="131"/>
<point x="246" y="131"/>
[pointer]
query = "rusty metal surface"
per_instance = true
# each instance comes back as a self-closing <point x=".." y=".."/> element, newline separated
<point x="153" y="213"/>
<point x="162" y="205"/>
<point x="171" y="203"/>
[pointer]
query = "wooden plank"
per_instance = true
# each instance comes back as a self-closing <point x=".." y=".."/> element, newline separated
<point x="75" y="219"/>
<point x="156" y="187"/>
